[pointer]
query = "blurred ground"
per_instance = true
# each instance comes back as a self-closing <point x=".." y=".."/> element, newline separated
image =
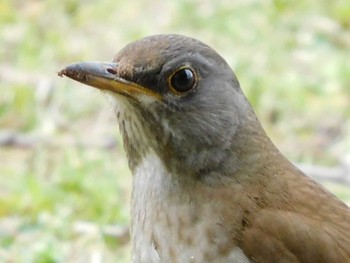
<point x="64" y="182"/>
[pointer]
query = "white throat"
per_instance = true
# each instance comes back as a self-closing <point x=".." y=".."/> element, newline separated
<point x="166" y="225"/>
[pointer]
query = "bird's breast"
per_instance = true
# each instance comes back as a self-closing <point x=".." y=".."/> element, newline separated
<point x="169" y="224"/>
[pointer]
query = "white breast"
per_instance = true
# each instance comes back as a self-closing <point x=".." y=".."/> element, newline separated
<point x="168" y="225"/>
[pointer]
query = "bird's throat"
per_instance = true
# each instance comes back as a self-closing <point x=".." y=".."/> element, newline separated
<point x="170" y="221"/>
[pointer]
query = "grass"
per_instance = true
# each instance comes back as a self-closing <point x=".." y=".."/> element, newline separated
<point x="64" y="163"/>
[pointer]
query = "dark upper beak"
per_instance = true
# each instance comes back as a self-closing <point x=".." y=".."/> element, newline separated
<point x="103" y="75"/>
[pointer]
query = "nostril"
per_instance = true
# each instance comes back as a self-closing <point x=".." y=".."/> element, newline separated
<point x="111" y="71"/>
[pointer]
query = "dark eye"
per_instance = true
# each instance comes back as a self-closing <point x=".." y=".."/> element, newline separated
<point x="183" y="80"/>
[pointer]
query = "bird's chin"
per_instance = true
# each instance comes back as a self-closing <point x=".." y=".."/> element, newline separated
<point x="119" y="97"/>
<point x="123" y="99"/>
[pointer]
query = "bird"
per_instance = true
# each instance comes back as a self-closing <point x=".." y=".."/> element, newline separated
<point x="208" y="184"/>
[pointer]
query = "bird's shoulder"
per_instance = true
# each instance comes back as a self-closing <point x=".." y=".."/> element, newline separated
<point x="281" y="236"/>
<point x="297" y="221"/>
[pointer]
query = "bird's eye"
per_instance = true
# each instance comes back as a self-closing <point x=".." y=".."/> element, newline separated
<point x="182" y="80"/>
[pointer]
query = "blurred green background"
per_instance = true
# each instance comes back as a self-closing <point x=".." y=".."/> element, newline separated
<point x="64" y="182"/>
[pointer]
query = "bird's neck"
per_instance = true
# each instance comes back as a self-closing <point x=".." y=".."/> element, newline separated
<point x="171" y="218"/>
<point x="168" y="205"/>
<point x="154" y="205"/>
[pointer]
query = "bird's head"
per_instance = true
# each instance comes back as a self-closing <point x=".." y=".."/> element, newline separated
<point x="176" y="97"/>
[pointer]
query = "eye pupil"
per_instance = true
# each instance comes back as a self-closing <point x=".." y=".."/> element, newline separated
<point x="183" y="80"/>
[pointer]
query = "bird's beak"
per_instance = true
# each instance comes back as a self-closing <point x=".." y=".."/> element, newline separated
<point x="103" y="75"/>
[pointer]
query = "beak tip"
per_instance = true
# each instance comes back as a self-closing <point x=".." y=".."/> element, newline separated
<point x="62" y="73"/>
<point x="74" y="71"/>
<point x="82" y="70"/>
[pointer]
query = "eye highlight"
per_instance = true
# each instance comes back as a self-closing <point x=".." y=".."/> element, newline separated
<point x="182" y="80"/>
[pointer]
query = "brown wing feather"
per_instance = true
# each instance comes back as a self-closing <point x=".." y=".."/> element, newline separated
<point x="278" y="236"/>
